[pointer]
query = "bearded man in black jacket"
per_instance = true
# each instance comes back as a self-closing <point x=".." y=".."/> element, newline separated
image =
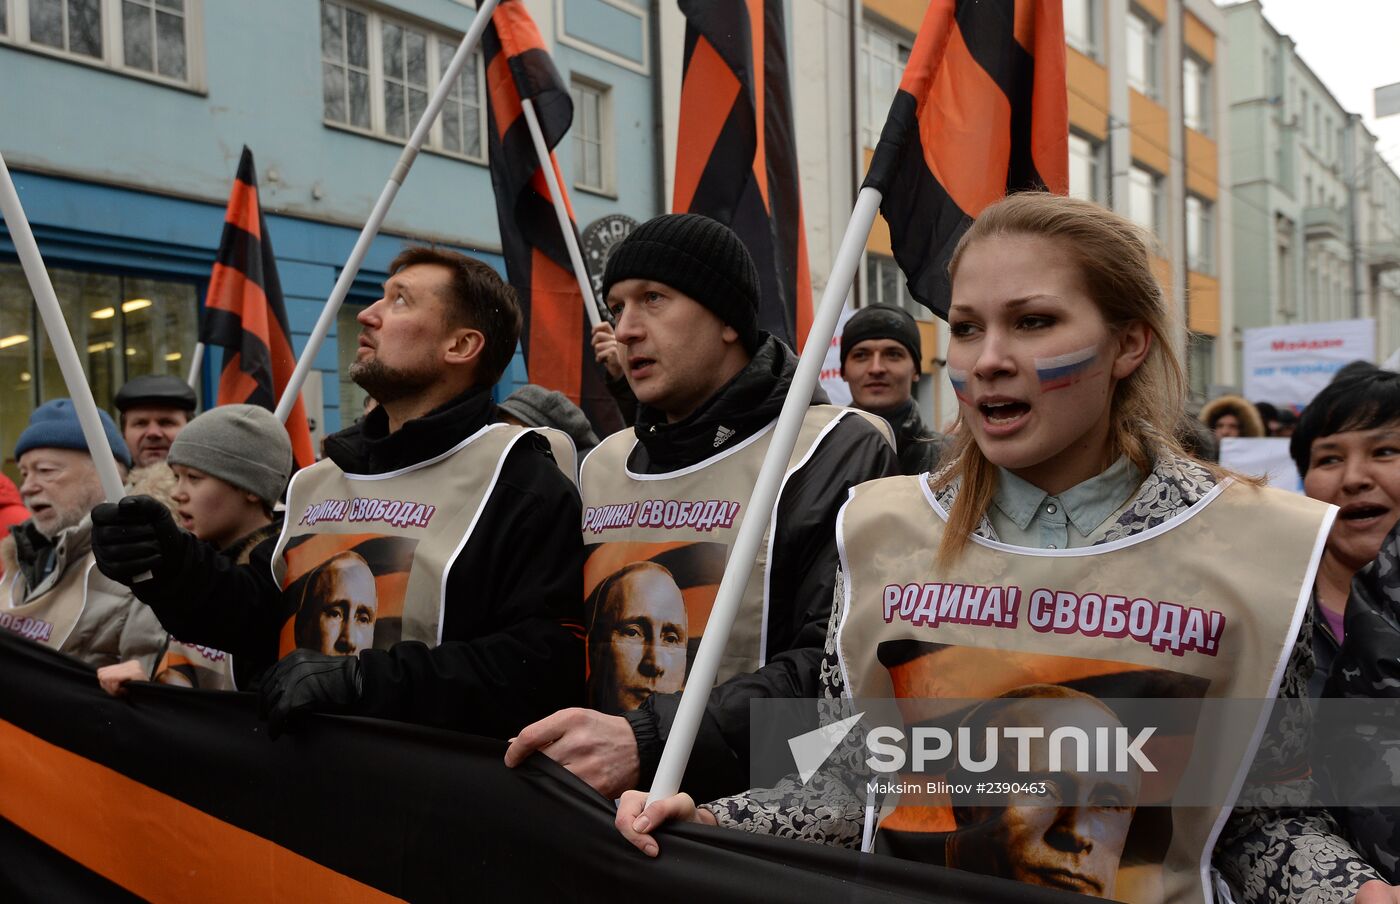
<point x="710" y="384"/>
<point x="469" y="527"/>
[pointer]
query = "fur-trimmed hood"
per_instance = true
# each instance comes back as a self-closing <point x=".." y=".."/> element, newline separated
<point x="1251" y="424"/>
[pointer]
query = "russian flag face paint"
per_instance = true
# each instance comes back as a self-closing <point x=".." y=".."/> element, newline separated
<point x="1066" y="370"/>
<point x="959" y="380"/>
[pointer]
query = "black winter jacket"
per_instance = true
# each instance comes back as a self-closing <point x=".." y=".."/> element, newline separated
<point x="512" y="649"/>
<point x="919" y="447"/>
<point x="1361" y="765"/>
<point x="804" y="561"/>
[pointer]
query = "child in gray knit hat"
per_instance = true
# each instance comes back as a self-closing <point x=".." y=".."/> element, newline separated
<point x="232" y="463"/>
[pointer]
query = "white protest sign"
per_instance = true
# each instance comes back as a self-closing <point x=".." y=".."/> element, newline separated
<point x="1288" y="365"/>
<point x="1267" y="458"/>
<point x="832" y="383"/>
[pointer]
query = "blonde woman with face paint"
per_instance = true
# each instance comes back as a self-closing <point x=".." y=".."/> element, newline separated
<point x="1066" y="469"/>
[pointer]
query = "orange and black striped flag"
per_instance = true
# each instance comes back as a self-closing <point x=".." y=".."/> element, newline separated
<point x="178" y="796"/>
<point x="736" y="154"/>
<point x="244" y="313"/>
<point x="555" y="334"/>
<point x="982" y="111"/>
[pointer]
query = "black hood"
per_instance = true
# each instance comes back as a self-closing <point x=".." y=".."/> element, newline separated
<point x="744" y="406"/>
<point x="367" y="446"/>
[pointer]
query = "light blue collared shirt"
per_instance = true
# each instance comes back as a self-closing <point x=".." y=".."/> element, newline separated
<point x="1025" y="515"/>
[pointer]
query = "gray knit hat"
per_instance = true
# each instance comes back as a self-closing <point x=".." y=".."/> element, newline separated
<point x="536" y="406"/>
<point x="243" y="445"/>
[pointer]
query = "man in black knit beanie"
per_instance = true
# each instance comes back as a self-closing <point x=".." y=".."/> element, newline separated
<point x="673" y="491"/>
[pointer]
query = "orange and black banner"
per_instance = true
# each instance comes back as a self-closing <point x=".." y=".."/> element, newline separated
<point x="982" y="111"/>
<point x="736" y="152"/>
<point x="172" y="794"/>
<point x="555" y="336"/>
<point x="245" y="315"/>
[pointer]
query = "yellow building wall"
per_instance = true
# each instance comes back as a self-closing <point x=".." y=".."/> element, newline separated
<point x="1199" y="38"/>
<point x="1202" y="165"/>
<point x="1088" y="94"/>
<point x="1203" y="303"/>
<point x="907" y="14"/>
<point x="1151" y="138"/>
<point x="879" y="240"/>
<point x="928" y="341"/>
<point x="1162" y="269"/>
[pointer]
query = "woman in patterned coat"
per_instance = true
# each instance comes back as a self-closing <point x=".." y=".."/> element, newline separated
<point x="1041" y="277"/>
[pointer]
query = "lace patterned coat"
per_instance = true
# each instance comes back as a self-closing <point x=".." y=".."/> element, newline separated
<point x="1282" y="852"/>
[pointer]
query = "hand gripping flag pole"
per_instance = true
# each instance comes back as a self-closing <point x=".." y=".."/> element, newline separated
<point x="566" y="225"/>
<point x="79" y="391"/>
<point x="381" y="207"/>
<point x="765" y="495"/>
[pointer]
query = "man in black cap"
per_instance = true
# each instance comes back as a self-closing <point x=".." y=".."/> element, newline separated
<point x="673" y="491"/>
<point x="154" y="409"/>
<point x="880" y="354"/>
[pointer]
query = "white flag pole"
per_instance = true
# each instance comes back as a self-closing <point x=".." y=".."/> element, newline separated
<point x="63" y="349"/>
<point x="566" y="226"/>
<point x="196" y="362"/>
<point x="61" y="340"/>
<point x="381" y="207"/>
<point x="701" y="679"/>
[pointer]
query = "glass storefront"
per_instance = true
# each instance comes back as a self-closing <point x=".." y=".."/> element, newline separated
<point x="123" y="327"/>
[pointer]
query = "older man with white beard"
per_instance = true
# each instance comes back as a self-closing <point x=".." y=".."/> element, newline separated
<point x="50" y="592"/>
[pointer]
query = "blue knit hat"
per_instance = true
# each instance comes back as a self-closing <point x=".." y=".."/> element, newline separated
<point x="54" y="425"/>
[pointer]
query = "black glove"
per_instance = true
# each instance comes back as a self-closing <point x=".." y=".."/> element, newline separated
<point x="306" y="681"/>
<point x="133" y="536"/>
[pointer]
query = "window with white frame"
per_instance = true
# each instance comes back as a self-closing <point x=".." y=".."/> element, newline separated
<point x="592" y="131"/>
<point x="377" y="74"/>
<point x="1200" y="365"/>
<point x="1144" y="66"/>
<point x="1200" y="235"/>
<point x="885" y="284"/>
<point x="1195" y="89"/>
<point x="405" y="71"/>
<point x="1082" y="26"/>
<point x="157" y="39"/>
<point x="883" y="54"/>
<point x="1086" y="171"/>
<point x="345" y="78"/>
<point x="1145" y="199"/>
<point x="72" y="26"/>
<point x="463" y="114"/>
<point x="153" y="36"/>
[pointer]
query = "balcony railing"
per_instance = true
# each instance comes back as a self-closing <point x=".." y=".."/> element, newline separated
<point x="1324" y="223"/>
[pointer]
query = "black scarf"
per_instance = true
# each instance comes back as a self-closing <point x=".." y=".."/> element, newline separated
<point x="744" y="406"/>
<point x="367" y="446"/>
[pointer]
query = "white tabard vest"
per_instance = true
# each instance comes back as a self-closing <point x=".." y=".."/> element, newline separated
<point x="1202" y="608"/>
<point x="679" y="526"/>
<point x="564" y="450"/>
<point x="51" y="614"/>
<point x="207" y="668"/>
<point x="366" y="556"/>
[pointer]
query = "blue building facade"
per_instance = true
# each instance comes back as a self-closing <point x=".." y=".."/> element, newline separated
<point x="124" y="121"/>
